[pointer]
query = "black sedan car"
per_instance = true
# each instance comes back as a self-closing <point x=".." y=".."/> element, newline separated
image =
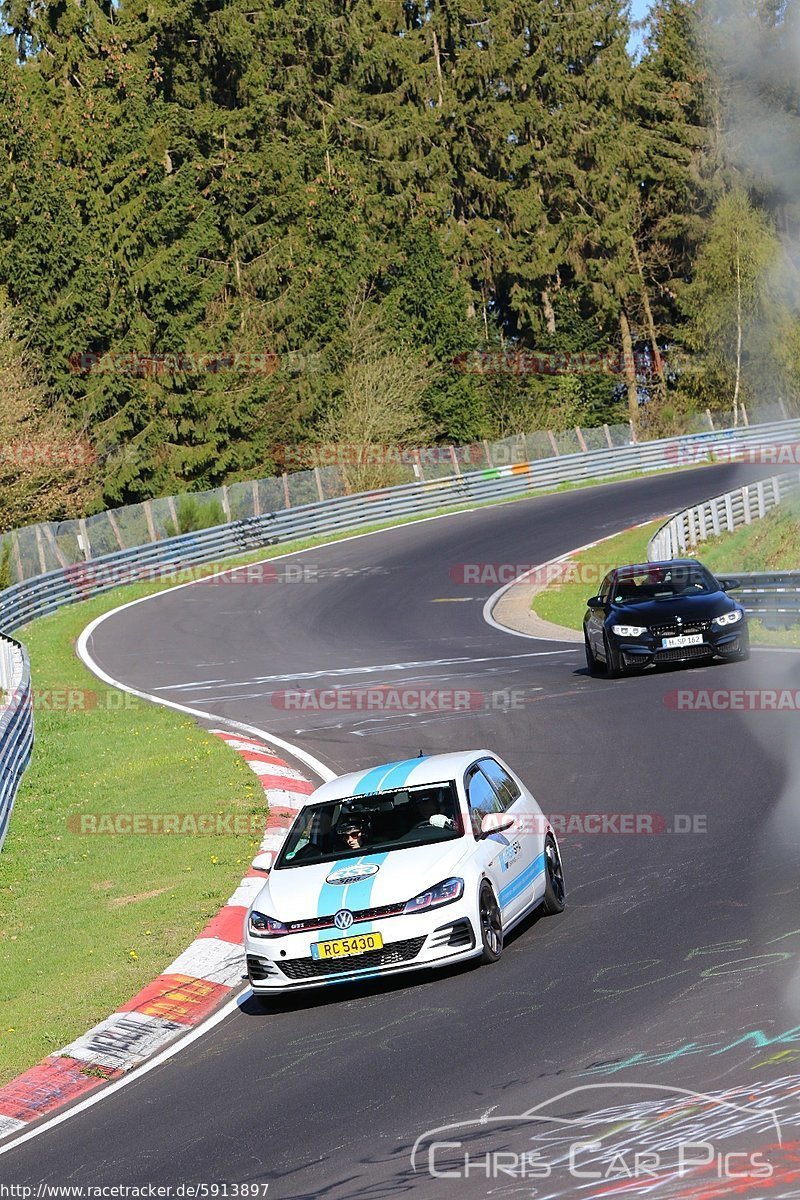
<point x="662" y="612"/>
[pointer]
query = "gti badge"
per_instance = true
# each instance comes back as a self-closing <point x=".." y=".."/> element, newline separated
<point x="353" y="873"/>
<point x="343" y="919"/>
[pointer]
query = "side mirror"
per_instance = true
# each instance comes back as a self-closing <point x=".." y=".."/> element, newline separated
<point x="264" y="862"/>
<point x="595" y="602"/>
<point x="730" y="584"/>
<point x="496" y="823"/>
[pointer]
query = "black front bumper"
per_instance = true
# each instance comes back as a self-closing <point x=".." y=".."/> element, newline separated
<point x="646" y="651"/>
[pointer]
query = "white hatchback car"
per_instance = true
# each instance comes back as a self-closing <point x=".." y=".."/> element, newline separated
<point x="411" y="864"/>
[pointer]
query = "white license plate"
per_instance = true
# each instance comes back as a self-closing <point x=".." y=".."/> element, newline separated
<point x="686" y="639"/>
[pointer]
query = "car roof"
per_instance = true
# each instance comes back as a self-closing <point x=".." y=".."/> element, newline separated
<point x="668" y="562"/>
<point x="407" y="772"/>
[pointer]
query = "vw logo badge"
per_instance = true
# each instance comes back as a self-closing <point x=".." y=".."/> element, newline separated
<point x="343" y="919"/>
<point x="679" y="620"/>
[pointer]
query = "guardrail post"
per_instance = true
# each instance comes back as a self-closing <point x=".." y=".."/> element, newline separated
<point x="715" y="516"/>
<point x="553" y="443"/>
<point x="762" y="506"/>
<point x="173" y="512"/>
<point x="748" y="516"/>
<point x="454" y="461"/>
<point x="487" y="451"/>
<point x="256" y="502"/>
<point x="729" y="523"/>
<point x="226" y="504"/>
<point x="318" y="481"/>
<point x="112" y="520"/>
<point x="54" y="546"/>
<point x="148" y="514"/>
<point x="607" y="432"/>
<point x="710" y="420"/>
<point x="683" y="530"/>
<point x="40" y="549"/>
<point x="286" y="499"/>
<point x="86" y="545"/>
<point x="17" y="557"/>
<point x="581" y="439"/>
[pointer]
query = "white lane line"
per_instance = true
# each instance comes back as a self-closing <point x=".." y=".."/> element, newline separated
<point x="319" y="768"/>
<point x="137" y="1073"/>
<point x="372" y="670"/>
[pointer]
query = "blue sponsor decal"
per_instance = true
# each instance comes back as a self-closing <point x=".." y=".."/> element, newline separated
<point x="352" y="873"/>
<point x="524" y="880"/>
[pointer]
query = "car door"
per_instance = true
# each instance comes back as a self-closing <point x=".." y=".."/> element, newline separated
<point x="500" y="854"/>
<point x="597" y="616"/>
<point x="528" y="830"/>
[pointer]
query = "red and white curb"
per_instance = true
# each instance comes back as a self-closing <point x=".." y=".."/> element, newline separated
<point x="195" y="984"/>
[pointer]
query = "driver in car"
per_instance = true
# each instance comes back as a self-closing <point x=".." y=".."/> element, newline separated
<point x="429" y="813"/>
<point x="352" y="831"/>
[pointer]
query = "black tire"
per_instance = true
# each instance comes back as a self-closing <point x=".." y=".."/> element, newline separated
<point x="555" y="897"/>
<point x="744" y="653"/>
<point x="491" y="925"/>
<point x="592" y="665"/>
<point x="613" y="660"/>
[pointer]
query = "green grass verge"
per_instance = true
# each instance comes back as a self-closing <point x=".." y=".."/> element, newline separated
<point x="770" y="544"/>
<point x="86" y="920"/>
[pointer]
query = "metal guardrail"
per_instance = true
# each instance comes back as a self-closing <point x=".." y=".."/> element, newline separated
<point x="16" y="725"/>
<point x="771" y="596"/>
<point x="45" y="593"/>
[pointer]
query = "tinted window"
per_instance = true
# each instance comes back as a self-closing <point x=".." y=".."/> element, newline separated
<point x="482" y="798"/>
<point x="383" y="822"/>
<point x="662" y="581"/>
<point x="504" y="785"/>
<point x="606" y="587"/>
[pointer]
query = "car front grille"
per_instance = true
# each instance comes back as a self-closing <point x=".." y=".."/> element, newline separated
<point x="681" y="653"/>
<point x="314" y="968"/>
<point x="361" y="914"/>
<point x="674" y="630"/>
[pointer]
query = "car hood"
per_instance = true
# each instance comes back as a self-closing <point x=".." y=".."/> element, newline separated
<point x="297" y="893"/>
<point x="663" y="612"/>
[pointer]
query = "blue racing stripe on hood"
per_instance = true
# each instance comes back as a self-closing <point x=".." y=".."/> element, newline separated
<point x="397" y="773"/>
<point x="369" y="783"/>
<point x="356" y="896"/>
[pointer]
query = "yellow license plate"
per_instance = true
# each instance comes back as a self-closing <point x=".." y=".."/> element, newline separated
<point x="346" y="947"/>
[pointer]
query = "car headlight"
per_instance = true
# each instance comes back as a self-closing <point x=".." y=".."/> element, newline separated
<point x="629" y="630"/>
<point x="729" y="618"/>
<point x="444" y="893"/>
<point x="260" y="925"/>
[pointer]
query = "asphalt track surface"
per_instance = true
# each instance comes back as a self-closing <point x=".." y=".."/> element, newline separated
<point x="675" y="964"/>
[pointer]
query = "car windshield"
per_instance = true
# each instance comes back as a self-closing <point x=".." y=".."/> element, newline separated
<point x="661" y="581"/>
<point x="361" y="825"/>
